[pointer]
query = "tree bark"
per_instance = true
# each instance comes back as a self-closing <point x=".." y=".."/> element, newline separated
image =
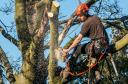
<point x="119" y="44"/>
<point x="21" y="24"/>
<point x="53" y="16"/>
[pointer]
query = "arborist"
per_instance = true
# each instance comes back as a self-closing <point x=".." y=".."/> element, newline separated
<point x="93" y="28"/>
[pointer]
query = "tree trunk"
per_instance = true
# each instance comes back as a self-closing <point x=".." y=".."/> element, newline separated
<point x="31" y="40"/>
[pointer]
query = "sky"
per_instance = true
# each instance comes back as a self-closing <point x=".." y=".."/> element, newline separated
<point x="11" y="50"/>
<point x="66" y="9"/>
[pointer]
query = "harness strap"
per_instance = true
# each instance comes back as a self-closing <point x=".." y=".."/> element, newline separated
<point x="83" y="72"/>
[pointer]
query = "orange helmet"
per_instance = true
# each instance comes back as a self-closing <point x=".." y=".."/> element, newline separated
<point x="81" y="9"/>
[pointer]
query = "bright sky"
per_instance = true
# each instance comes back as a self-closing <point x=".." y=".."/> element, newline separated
<point x="11" y="51"/>
<point x="67" y="7"/>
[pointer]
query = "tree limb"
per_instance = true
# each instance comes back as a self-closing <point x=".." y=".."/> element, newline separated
<point x="121" y="43"/>
<point x="91" y="2"/>
<point x="21" y="22"/>
<point x="113" y="24"/>
<point x="22" y="28"/>
<point x="41" y="20"/>
<point x="117" y="25"/>
<point x="8" y="36"/>
<point x="53" y="16"/>
<point x="7" y="66"/>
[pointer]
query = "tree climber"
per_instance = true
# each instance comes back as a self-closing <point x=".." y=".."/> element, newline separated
<point x="93" y="28"/>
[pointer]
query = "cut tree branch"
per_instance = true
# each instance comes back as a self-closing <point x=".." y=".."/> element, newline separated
<point x="119" y="44"/>
<point x="53" y="16"/>
<point x="46" y="47"/>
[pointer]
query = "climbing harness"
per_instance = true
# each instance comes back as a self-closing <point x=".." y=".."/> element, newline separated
<point x="102" y="55"/>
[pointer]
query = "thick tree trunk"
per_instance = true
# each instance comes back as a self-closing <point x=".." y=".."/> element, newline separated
<point x="34" y="67"/>
<point x="27" y="74"/>
<point x="30" y="41"/>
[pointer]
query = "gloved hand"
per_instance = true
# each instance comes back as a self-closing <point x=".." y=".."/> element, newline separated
<point x="61" y="55"/>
